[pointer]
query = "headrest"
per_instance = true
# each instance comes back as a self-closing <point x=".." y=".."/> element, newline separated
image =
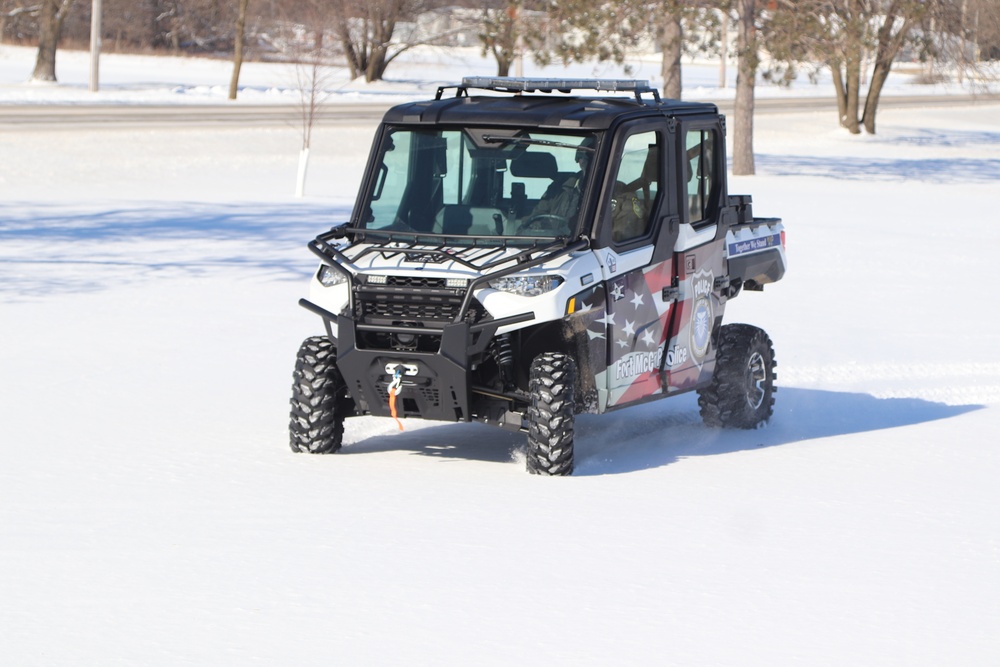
<point x="534" y="165"/>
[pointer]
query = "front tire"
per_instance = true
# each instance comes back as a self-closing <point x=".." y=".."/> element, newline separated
<point x="551" y="383"/>
<point x="741" y="394"/>
<point x="316" y="425"/>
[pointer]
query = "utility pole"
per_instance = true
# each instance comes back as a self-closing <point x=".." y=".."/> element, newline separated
<point x="95" y="45"/>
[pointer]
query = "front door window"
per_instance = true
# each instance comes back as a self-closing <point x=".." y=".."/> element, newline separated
<point x="635" y="187"/>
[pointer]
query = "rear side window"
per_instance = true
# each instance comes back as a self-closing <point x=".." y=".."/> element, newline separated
<point x="701" y="173"/>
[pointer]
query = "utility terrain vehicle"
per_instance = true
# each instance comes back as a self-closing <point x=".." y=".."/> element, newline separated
<point x="522" y="255"/>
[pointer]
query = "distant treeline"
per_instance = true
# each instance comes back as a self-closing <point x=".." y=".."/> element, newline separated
<point x="279" y="29"/>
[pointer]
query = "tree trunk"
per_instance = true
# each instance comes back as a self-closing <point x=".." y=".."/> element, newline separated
<point x="502" y="37"/>
<point x="504" y="50"/>
<point x="746" y="47"/>
<point x="378" y="58"/>
<point x="850" y="117"/>
<point x="376" y="64"/>
<point x="241" y="24"/>
<point x="355" y="61"/>
<point x="854" y="38"/>
<point x="49" y="29"/>
<point x="879" y="76"/>
<point x="671" y="43"/>
<point x="300" y="179"/>
<point x="889" y="44"/>
<point x="841" y="92"/>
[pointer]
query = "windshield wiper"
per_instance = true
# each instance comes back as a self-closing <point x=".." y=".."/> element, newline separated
<point x="494" y="139"/>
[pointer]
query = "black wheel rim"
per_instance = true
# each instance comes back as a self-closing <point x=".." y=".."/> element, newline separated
<point x="756" y="380"/>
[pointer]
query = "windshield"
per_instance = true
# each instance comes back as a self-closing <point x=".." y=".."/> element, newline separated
<point x="492" y="184"/>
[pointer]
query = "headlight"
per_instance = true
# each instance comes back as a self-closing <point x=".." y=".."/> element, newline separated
<point x="526" y="285"/>
<point x="330" y="276"/>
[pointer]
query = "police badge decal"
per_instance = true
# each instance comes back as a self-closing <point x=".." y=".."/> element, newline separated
<point x="701" y="314"/>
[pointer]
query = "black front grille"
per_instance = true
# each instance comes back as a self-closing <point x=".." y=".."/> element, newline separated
<point x="419" y="283"/>
<point x="409" y="300"/>
<point x="410" y="311"/>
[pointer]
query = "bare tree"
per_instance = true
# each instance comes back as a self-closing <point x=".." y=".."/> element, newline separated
<point x="366" y="28"/>
<point x="964" y="35"/>
<point x="900" y="17"/>
<point x="844" y="34"/>
<point x="371" y="34"/>
<point x="845" y="59"/>
<point x="53" y="13"/>
<point x="312" y="76"/>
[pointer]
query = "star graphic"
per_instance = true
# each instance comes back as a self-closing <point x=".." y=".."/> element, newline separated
<point x="629" y="328"/>
<point x="617" y="292"/>
<point x="648" y="339"/>
<point x="595" y="334"/>
<point x="609" y="318"/>
<point x="637" y="300"/>
<point x="621" y="343"/>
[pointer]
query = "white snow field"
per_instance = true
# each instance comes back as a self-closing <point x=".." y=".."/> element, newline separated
<point x="151" y="512"/>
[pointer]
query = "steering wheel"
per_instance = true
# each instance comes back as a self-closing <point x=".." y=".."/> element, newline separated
<point x="551" y="221"/>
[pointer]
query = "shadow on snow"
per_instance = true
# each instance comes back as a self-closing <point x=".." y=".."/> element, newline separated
<point x="167" y="221"/>
<point x="96" y="247"/>
<point x="936" y="170"/>
<point x="660" y="433"/>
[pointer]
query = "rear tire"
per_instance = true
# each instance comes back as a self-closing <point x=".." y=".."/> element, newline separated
<point x="318" y="392"/>
<point x="741" y="394"/>
<point x="551" y="383"/>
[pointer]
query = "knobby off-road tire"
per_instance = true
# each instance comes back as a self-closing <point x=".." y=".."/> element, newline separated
<point x="551" y="382"/>
<point x="317" y="418"/>
<point x="742" y="391"/>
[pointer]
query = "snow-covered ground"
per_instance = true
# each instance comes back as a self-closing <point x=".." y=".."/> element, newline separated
<point x="152" y="513"/>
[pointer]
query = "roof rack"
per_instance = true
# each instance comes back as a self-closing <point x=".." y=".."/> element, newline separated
<point x="507" y="84"/>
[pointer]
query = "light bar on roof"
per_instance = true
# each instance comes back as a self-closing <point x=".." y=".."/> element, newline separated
<point x="526" y="84"/>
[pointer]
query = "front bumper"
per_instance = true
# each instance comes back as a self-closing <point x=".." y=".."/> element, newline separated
<point x="440" y="389"/>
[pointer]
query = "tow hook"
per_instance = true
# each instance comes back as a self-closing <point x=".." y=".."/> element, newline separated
<point x="394" y="387"/>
